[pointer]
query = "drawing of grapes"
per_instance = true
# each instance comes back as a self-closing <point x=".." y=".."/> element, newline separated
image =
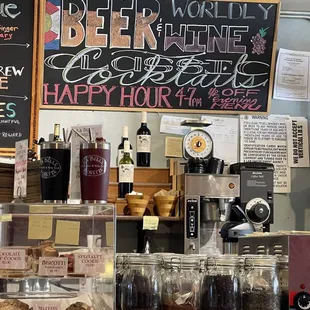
<point x="259" y="43"/>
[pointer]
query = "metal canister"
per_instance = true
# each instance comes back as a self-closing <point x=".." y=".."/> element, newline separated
<point x="95" y="171"/>
<point x="55" y="157"/>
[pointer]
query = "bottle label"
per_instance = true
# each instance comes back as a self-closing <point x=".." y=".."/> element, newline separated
<point x="125" y="173"/>
<point x="120" y="154"/>
<point x="143" y="144"/>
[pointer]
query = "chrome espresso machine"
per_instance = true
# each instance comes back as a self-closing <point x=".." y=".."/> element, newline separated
<point x="220" y="208"/>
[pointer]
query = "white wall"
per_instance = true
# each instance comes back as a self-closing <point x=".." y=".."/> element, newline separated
<point x="291" y="210"/>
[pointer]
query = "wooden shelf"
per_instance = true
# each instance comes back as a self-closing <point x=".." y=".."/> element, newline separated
<point x="130" y="218"/>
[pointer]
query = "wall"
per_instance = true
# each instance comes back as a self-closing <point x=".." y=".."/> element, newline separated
<point x="291" y="210"/>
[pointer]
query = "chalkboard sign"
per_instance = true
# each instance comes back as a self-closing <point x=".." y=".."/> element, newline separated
<point x="176" y="55"/>
<point x="19" y="72"/>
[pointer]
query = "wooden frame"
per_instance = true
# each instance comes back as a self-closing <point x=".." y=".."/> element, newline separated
<point x="37" y="75"/>
<point x="226" y="112"/>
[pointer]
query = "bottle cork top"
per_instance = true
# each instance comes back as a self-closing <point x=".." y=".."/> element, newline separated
<point x="144" y="117"/>
<point x="125" y="132"/>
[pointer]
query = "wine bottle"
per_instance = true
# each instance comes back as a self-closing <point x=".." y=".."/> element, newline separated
<point x="144" y="143"/>
<point x="125" y="172"/>
<point x="57" y="132"/>
<point x="120" y="149"/>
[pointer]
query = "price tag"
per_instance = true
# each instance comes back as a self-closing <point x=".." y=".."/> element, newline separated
<point x="47" y="305"/>
<point x="20" y="175"/>
<point x="6" y="218"/>
<point x="12" y="259"/>
<point x="53" y="266"/>
<point x="150" y="222"/>
<point x="89" y="263"/>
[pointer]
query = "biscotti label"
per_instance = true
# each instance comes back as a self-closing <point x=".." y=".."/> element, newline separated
<point x="89" y="263"/>
<point x="47" y="305"/>
<point x="53" y="266"/>
<point x="12" y="259"/>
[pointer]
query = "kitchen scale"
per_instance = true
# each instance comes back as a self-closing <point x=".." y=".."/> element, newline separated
<point x="197" y="146"/>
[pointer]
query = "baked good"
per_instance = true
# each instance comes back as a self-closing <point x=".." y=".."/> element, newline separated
<point x="49" y="251"/>
<point x="13" y="304"/>
<point x="78" y="306"/>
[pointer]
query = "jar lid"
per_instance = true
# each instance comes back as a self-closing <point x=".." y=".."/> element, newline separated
<point x="282" y="261"/>
<point x="144" y="259"/>
<point x="260" y="261"/>
<point x="225" y="260"/>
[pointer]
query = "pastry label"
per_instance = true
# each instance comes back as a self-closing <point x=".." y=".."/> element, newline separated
<point x="12" y="259"/>
<point x="53" y="266"/>
<point x="47" y="305"/>
<point x="89" y="263"/>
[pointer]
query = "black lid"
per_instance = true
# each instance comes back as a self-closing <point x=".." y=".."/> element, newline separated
<point x="236" y="168"/>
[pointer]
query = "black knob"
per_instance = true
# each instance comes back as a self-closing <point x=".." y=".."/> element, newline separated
<point x="258" y="213"/>
<point x="302" y="301"/>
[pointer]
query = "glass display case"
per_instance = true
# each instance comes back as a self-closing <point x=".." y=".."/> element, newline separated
<point x="58" y="257"/>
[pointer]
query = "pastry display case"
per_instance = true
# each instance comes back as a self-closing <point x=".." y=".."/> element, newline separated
<point x="58" y="257"/>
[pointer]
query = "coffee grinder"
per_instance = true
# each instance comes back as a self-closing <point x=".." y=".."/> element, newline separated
<point x="208" y="194"/>
<point x="254" y="208"/>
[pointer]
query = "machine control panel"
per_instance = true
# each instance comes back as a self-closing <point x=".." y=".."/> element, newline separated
<point x="192" y="218"/>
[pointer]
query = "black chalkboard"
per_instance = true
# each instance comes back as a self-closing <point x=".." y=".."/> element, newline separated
<point x="176" y="55"/>
<point x="18" y="49"/>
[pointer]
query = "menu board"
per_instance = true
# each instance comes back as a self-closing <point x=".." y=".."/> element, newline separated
<point x="158" y="55"/>
<point x="19" y="39"/>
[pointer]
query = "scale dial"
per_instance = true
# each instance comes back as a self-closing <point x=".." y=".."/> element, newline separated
<point x="197" y="144"/>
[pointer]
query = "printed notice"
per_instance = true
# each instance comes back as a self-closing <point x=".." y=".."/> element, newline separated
<point x="20" y="175"/>
<point x="172" y="125"/>
<point x="173" y="147"/>
<point x="89" y="263"/>
<point x="67" y="232"/>
<point x="40" y="227"/>
<point x="12" y="259"/>
<point x="150" y="222"/>
<point x="75" y="188"/>
<point x="264" y="139"/>
<point x="298" y="142"/>
<point x="53" y="266"/>
<point x="292" y="76"/>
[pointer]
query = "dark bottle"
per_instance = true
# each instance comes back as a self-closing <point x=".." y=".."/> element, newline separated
<point x="120" y="149"/>
<point x="125" y="172"/>
<point x="143" y="144"/>
<point x="57" y="132"/>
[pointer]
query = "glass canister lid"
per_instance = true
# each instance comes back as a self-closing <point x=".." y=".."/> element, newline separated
<point x="224" y="260"/>
<point x="282" y="261"/>
<point x="143" y="259"/>
<point x="259" y="261"/>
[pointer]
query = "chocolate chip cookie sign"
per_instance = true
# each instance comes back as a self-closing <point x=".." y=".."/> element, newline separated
<point x="94" y="165"/>
<point x="50" y="167"/>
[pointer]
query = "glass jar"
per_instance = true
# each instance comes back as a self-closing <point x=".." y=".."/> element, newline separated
<point x="181" y="281"/>
<point x="120" y="262"/>
<point x="261" y="289"/>
<point x="220" y="287"/>
<point x="142" y="284"/>
<point x="283" y="278"/>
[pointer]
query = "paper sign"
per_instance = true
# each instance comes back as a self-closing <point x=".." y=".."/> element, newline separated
<point x="67" y="232"/>
<point x="41" y="209"/>
<point x="47" y="305"/>
<point x="150" y="222"/>
<point x="53" y="266"/>
<point x="75" y="188"/>
<point x="172" y="124"/>
<point x="20" y="174"/>
<point x="292" y="76"/>
<point x="40" y="227"/>
<point x="89" y="263"/>
<point x="297" y="142"/>
<point x="5" y="217"/>
<point x="264" y="139"/>
<point x="12" y="259"/>
<point x="109" y="231"/>
<point x="173" y="147"/>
